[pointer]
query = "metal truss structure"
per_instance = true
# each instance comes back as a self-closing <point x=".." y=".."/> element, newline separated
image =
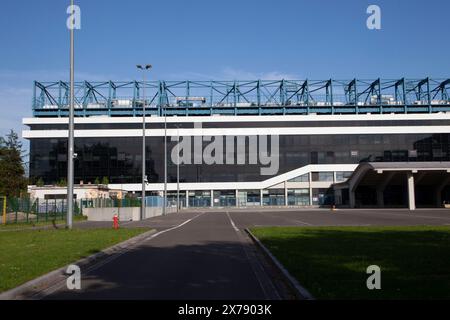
<point x="258" y="97"/>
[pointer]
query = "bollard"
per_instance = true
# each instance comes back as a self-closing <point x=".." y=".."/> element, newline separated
<point x="333" y="207"/>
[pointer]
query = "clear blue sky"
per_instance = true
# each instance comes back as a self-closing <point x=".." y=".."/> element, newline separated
<point x="206" y="39"/>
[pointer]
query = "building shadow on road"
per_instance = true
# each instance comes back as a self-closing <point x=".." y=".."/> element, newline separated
<point x="206" y="271"/>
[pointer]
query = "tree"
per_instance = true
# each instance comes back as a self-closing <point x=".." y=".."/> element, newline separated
<point x="40" y="182"/>
<point x="97" y="180"/>
<point x="12" y="172"/>
<point x="62" y="182"/>
<point x="105" y="180"/>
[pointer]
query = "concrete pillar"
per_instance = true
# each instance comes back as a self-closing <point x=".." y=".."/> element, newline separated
<point x="285" y="194"/>
<point x="310" y="189"/>
<point x="438" y="198"/>
<point x="212" y="198"/>
<point x="439" y="188"/>
<point x="352" y="200"/>
<point x="380" y="198"/>
<point x="387" y="178"/>
<point x="411" y="195"/>
<point x="237" y="198"/>
<point x="261" y="197"/>
<point x="187" y="199"/>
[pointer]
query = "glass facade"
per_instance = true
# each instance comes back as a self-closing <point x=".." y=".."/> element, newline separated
<point x="302" y="178"/>
<point x="119" y="158"/>
<point x="298" y="197"/>
<point x="224" y="198"/>
<point x="199" y="198"/>
<point x="273" y="197"/>
<point x="343" y="175"/>
<point x="322" y="196"/>
<point x="247" y="198"/>
<point x="322" y="176"/>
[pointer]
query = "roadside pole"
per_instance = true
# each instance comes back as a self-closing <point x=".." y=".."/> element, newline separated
<point x="70" y="158"/>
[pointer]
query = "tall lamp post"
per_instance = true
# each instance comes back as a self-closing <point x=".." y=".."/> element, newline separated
<point x="165" y="162"/>
<point x="178" y="168"/>
<point x="70" y="165"/>
<point x="144" y="177"/>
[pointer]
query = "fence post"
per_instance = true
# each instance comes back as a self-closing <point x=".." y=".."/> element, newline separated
<point x="37" y="210"/>
<point x="4" y="210"/>
<point x="62" y="209"/>
<point x="28" y="208"/>
<point x="46" y="209"/>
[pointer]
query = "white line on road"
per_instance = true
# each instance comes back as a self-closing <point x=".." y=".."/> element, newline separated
<point x="232" y="222"/>
<point x="285" y="218"/>
<point x="302" y="222"/>
<point x="173" y="228"/>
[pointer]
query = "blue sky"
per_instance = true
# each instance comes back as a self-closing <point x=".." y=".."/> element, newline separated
<point x="206" y="39"/>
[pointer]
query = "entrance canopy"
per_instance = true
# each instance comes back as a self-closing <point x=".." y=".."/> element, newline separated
<point x="396" y="184"/>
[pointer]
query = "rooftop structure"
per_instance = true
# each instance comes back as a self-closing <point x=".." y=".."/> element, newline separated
<point x="253" y="97"/>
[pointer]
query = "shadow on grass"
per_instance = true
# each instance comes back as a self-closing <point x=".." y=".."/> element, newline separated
<point x="332" y="262"/>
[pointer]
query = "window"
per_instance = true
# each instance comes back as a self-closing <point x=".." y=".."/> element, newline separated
<point x="302" y="178"/>
<point x="343" y="175"/>
<point x="298" y="197"/>
<point x="322" y="176"/>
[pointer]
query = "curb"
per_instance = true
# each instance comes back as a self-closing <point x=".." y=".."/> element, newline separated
<point x="33" y="287"/>
<point x="293" y="283"/>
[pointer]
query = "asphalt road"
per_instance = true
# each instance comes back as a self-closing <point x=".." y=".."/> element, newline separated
<point x="207" y="255"/>
<point x="194" y="255"/>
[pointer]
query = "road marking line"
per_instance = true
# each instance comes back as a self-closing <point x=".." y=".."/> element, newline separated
<point x="267" y="214"/>
<point x="173" y="228"/>
<point x="302" y="222"/>
<point x="255" y="264"/>
<point x="232" y="222"/>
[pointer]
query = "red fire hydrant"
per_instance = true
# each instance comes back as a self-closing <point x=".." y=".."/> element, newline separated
<point x="116" y="222"/>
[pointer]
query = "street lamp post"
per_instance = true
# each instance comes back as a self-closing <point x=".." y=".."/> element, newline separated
<point x="70" y="165"/>
<point x="144" y="178"/>
<point x="178" y="168"/>
<point x="165" y="163"/>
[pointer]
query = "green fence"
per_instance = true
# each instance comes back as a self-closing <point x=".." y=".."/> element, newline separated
<point x="110" y="203"/>
<point x="26" y="210"/>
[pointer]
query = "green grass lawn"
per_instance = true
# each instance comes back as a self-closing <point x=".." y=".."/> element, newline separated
<point x="331" y="262"/>
<point x="27" y="254"/>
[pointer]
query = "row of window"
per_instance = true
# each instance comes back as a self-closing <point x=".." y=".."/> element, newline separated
<point x="119" y="159"/>
<point x="271" y="197"/>
<point x="323" y="176"/>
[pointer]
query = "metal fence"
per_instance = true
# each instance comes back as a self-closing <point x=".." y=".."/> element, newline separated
<point x="150" y="201"/>
<point x="26" y="210"/>
<point x="110" y="203"/>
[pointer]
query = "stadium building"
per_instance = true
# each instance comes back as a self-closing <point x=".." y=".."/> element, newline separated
<point x="250" y="143"/>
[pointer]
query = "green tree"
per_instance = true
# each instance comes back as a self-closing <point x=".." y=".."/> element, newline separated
<point x="62" y="182"/>
<point x="12" y="172"/>
<point x="97" y="180"/>
<point x="40" y="182"/>
<point x="105" y="180"/>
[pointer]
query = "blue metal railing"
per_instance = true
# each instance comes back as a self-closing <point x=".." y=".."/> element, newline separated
<point x="253" y="97"/>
